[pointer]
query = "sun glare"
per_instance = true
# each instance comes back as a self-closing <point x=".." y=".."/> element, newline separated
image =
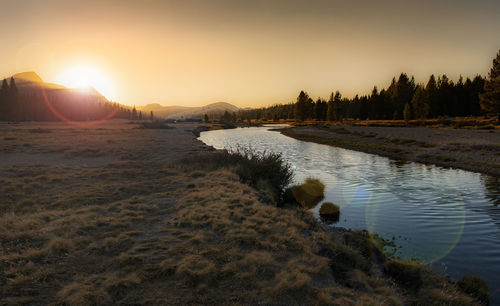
<point x="86" y="77"/>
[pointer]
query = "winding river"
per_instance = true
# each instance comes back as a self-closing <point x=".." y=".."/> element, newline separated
<point x="447" y="218"/>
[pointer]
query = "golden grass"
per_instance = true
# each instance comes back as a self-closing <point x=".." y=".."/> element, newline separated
<point x="310" y="193"/>
<point x="148" y="231"/>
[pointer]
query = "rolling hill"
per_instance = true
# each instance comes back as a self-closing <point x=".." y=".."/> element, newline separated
<point x="183" y="112"/>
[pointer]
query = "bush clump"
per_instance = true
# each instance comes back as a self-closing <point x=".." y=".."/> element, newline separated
<point x="270" y="167"/>
<point x="329" y="209"/>
<point x="310" y="193"/>
<point x="329" y="213"/>
<point x="406" y="273"/>
<point x="476" y="287"/>
<point x="156" y="125"/>
<point x="269" y="173"/>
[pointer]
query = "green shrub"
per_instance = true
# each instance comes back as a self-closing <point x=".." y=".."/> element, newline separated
<point x="476" y="287"/>
<point x="310" y="193"/>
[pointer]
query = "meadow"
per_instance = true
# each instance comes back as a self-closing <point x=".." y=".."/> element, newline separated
<point x="118" y="213"/>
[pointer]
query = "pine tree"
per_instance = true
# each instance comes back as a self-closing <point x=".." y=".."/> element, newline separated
<point x="4" y="104"/>
<point x="407" y="112"/>
<point x="151" y="116"/>
<point x="490" y="99"/>
<point x="432" y="98"/>
<point x="13" y="99"/>
<point x="330" y="113"/>
<point x="134" y="114"/>
<point x="303" y="109"/>
<point x="419" y="104"/>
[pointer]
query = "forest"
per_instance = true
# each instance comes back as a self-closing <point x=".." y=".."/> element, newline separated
<point x="37" y="102"/>
<point x="403" y="99"/>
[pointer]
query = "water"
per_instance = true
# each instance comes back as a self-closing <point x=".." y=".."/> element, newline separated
<point x="447" y="218"/>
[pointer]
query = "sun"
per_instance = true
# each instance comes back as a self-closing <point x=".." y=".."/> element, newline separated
<point x="84" y="77"/>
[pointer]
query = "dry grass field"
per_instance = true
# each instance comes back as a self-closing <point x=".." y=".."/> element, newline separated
<point x="116" y="214"/>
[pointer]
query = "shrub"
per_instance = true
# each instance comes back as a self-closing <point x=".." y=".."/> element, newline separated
<point x="364" y="242"/>
<point x="346" y="259"/>
<point x="329" y="213"/>
<point x="406" y="273"/>
<point x="265" y="170"/>
<point x="329" y="208"/>
<point x="310" y="193"/>
<point x="156" y="125"/>
<point x="476" y="287"/>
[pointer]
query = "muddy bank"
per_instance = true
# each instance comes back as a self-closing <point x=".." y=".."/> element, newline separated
<point x="472" y="150"/>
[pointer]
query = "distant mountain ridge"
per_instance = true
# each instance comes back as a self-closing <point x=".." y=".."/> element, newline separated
<point x="83" y="105"/>
<point x="184" y="112"/>
<point x="26" y="97"/>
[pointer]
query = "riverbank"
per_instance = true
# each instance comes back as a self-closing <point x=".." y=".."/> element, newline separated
<point x="472" y="150"/>
<point x="118" y="214"/>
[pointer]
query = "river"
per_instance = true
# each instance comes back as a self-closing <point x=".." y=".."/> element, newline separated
<point x="447" y="218"/>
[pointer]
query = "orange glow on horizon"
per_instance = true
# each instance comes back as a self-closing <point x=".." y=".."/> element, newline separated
<point x="84" y="77"/>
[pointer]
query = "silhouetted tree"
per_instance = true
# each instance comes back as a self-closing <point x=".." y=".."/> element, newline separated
<point x="4" y="103"/>
<point x="401" y="94"/>
<point x="134" y="114"/>
<point x="419" y="103"/>
<point x="205" y="118"/>
<point x="407" y="112"/>
<point x="303" y="107"/>
<point x="490" y="99"/>
<point x="151" y="116"/>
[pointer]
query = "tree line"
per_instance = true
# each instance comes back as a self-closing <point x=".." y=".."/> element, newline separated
<point x="33" y="103"/>
<point x="403" y="99"/>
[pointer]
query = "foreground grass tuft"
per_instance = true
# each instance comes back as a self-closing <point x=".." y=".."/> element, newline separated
<point x="310" y="193"/>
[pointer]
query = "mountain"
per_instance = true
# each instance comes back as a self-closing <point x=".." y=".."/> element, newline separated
<point x="36" y="100"/>
<point x="27" y="78"/>
<point x="183" y="112"/>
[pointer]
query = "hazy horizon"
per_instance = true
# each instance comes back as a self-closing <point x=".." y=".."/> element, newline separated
<point x="249" y="54"/>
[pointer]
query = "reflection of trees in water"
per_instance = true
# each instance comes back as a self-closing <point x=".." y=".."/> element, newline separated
<point x="492" y="192"/>
<point x="492" y="189"/>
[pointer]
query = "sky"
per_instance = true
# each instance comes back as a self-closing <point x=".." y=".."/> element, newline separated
<point x="248" y="53"/>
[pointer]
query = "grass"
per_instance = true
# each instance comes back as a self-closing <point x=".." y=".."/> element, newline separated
<point x="142" y="229"/>
<point x="329" y="208"/>
<point x="267" y="172"/>
<point x="308" y="194"/>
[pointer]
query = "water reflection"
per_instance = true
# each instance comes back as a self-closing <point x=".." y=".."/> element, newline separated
<point x="492" y="188"/>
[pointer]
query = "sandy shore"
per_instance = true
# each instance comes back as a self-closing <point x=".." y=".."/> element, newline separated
<point x="118" y="214"/>
<point x="472" y="150"/>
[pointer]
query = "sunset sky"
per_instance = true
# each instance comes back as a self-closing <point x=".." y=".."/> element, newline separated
<point x="249" y="53"/>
